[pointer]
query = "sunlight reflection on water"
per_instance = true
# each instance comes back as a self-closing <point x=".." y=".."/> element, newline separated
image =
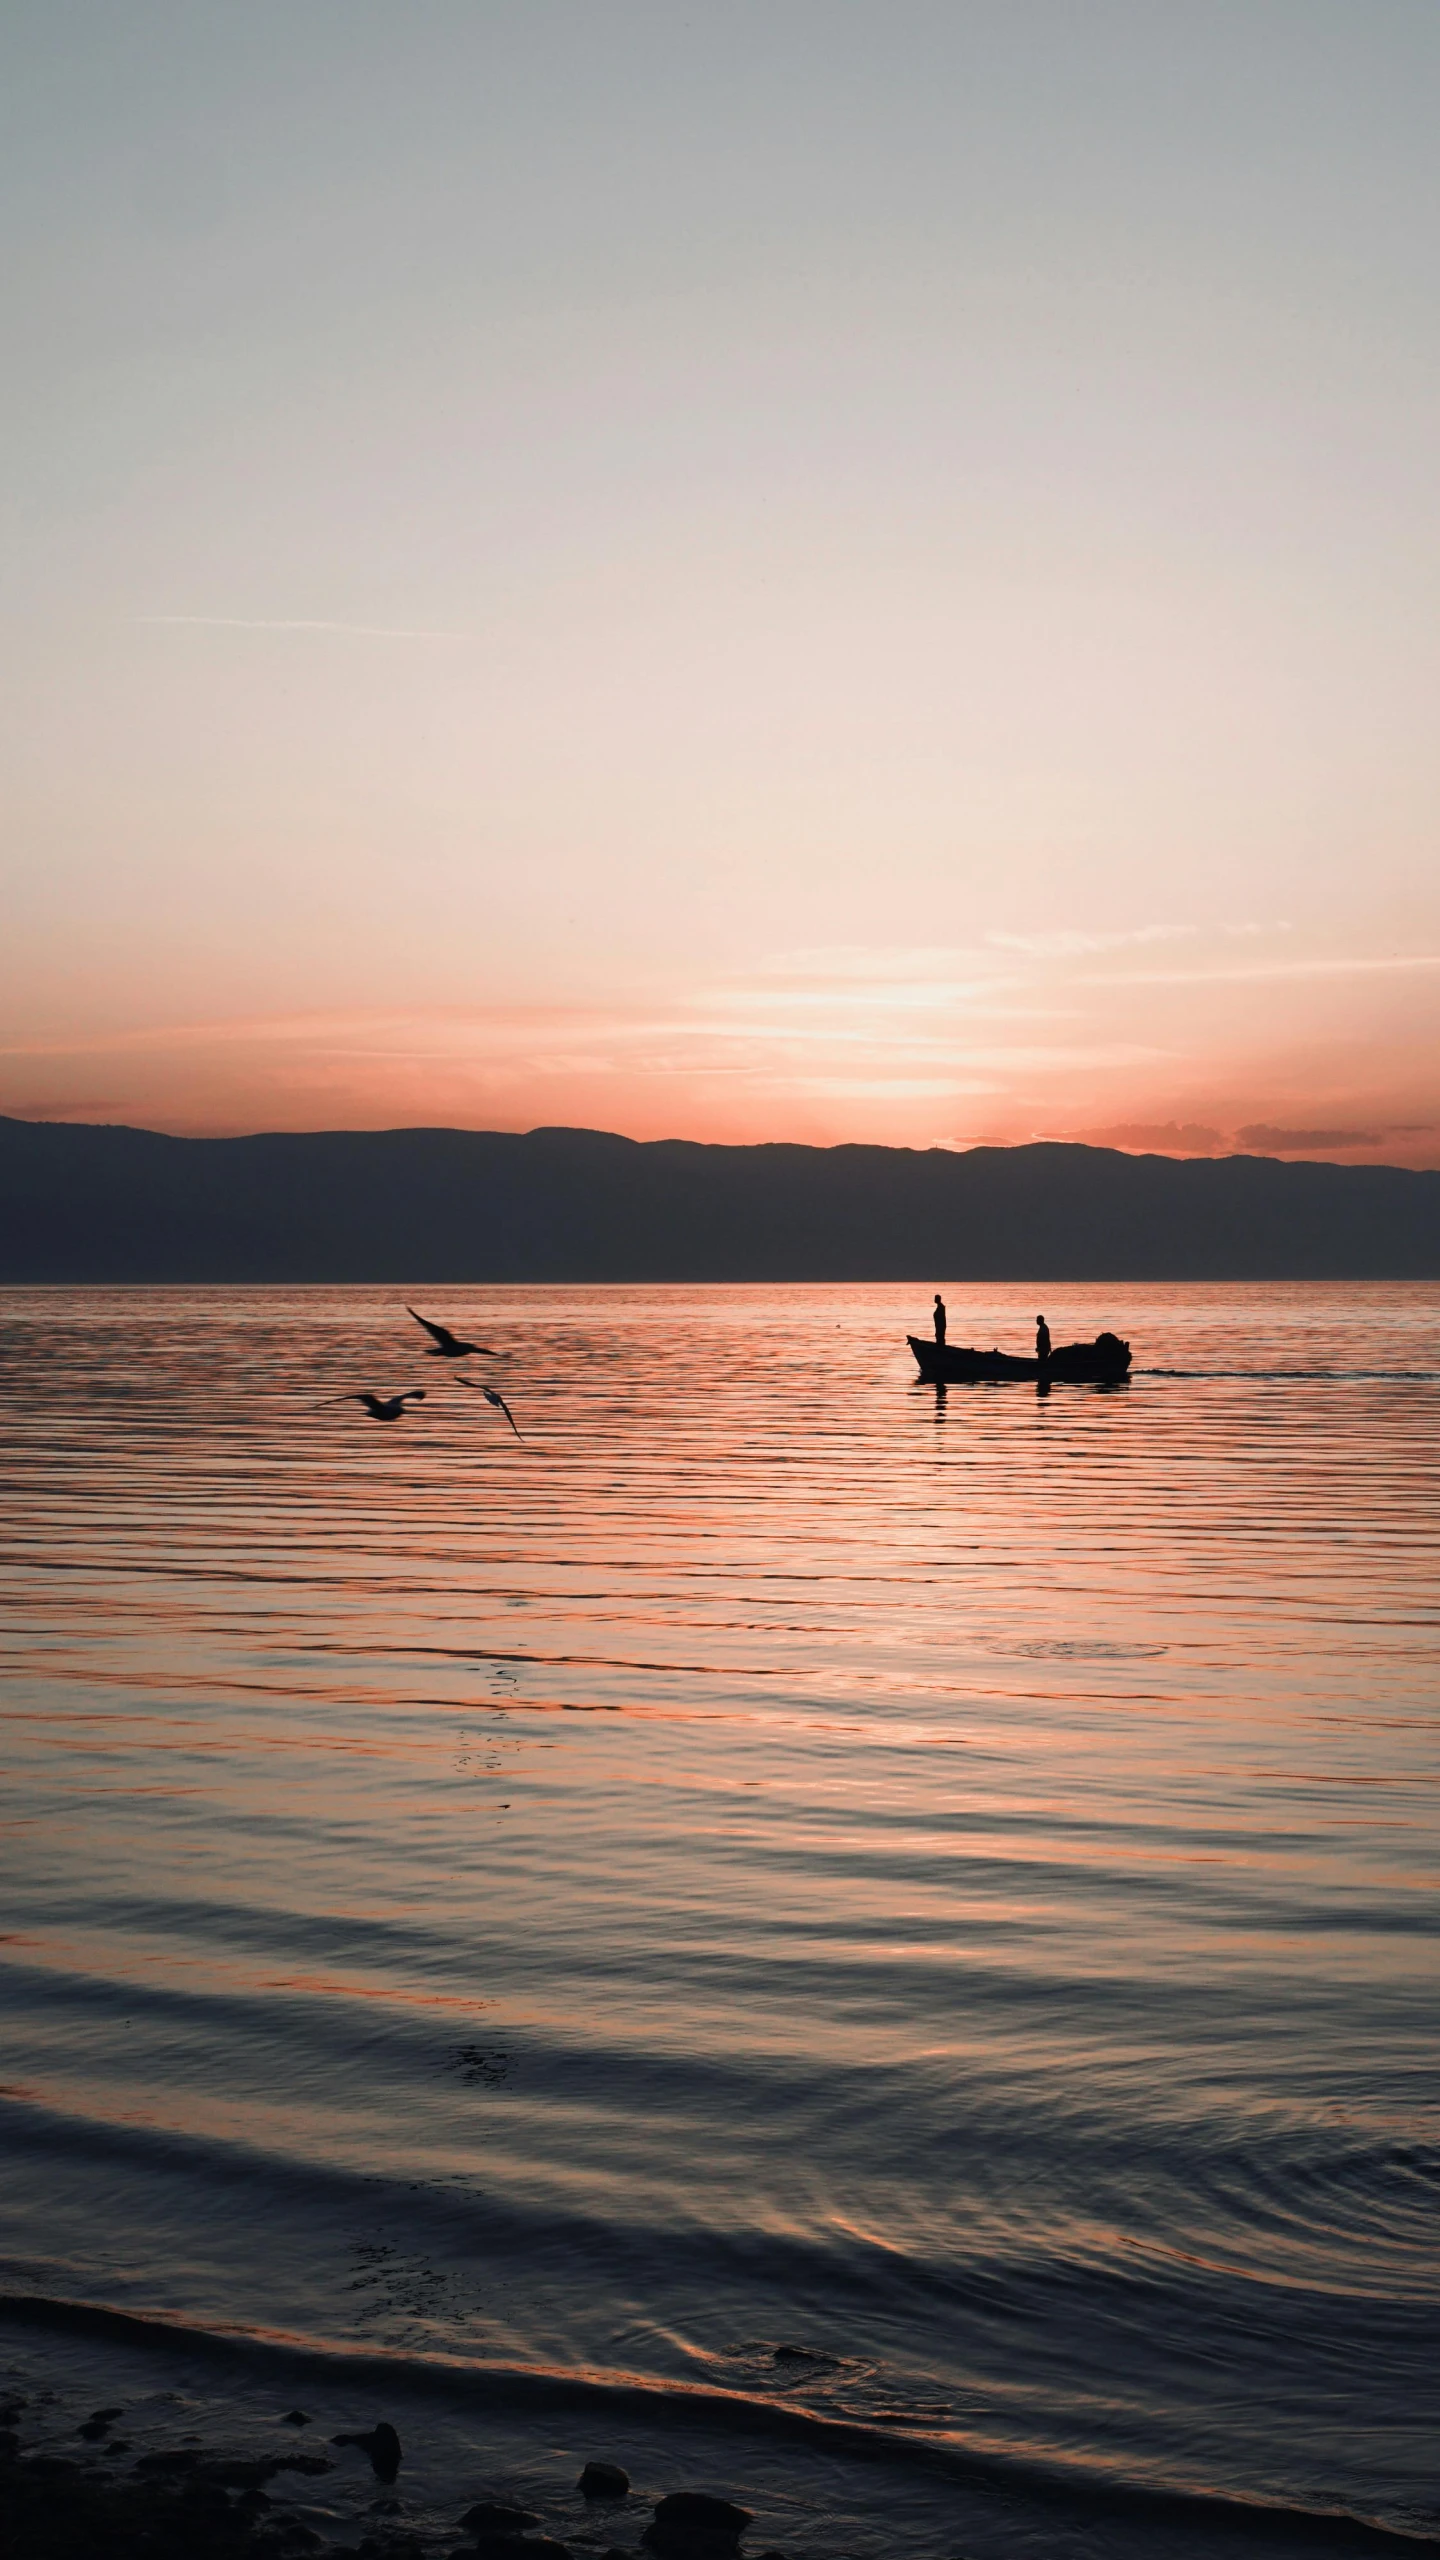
<point x="918" y="1905"/>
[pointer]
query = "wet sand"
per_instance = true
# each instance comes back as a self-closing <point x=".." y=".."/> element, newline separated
<point x="85" y="2495"/>
<point x="119" y="2481"/>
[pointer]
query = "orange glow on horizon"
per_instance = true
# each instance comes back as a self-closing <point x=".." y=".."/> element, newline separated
<point x="1109" y="1040"/>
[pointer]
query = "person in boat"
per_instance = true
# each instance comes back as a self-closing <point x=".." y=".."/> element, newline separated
<point x="1042" y="1340"/>
<point x="939" y="1320"/>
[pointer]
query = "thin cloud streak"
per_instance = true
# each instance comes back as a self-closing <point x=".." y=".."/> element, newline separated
<point x="871" y="959"/>
<point x="234" y="622"/>
<point x="1268" y="970"/>
<point x="1067" y="944"/>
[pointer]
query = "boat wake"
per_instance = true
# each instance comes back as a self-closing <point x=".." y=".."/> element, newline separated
<point x="1319" y="1377"/>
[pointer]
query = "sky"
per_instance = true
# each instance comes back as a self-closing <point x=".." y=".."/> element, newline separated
<point x="808" y="569"/>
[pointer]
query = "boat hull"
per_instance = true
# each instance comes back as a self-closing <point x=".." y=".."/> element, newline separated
<point x="955" y="1364"/>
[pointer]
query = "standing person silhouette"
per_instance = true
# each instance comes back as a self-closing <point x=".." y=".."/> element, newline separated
<point x="1042" y="1340"/>
<point x="939" y="1320"/>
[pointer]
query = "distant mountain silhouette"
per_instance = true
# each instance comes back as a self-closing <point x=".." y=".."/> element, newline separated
<point x="415" y="1205"/>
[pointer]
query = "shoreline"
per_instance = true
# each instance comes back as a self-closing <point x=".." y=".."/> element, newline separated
<point x="112" y="2450"/>
<point x="82" y="2491"/>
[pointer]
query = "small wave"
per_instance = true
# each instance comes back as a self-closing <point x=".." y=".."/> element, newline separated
<point x="670" y="2407"/>
<point x="1078" y="1649"/>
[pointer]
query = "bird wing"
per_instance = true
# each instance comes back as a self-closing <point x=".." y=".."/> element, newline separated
<point x="440" y="1333"/>
<point x="491" y="1396"/>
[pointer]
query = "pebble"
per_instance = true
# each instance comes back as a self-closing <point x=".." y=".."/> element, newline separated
<point x="689" y="2525"/>
<point x="383" y="2446"/>
<point x="515" y="2546"/>
<point x="604" y="2480"/>
<point x="507" y="2544"/>
<point x="490" y="2519"/>
<point x="693" y="2511"/>
<point x="98" y="2424"/>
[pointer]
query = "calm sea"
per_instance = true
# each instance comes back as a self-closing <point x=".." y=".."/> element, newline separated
<point x="865" y="1947"/>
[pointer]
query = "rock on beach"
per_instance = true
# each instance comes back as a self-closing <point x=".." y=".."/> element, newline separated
<point x="382" y="2445"/>
<point x="604" y="2480"/>
<point x="690" y="2525"/>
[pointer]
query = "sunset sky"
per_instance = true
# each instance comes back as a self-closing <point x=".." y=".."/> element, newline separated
<point x="783" y="569"/>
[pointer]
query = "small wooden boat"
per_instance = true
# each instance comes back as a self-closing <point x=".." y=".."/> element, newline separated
<point x="952" y="1363"/>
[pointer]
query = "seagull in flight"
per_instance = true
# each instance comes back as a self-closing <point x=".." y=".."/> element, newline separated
<point x="447" y="1345"/>
<point x="383" y="1408"/>
<point x="491" y="1397"/>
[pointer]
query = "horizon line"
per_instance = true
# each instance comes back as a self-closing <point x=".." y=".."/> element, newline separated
<point x="1222" y="1154"/>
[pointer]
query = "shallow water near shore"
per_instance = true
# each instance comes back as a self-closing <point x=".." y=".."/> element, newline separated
<point x="864" y="1946"/>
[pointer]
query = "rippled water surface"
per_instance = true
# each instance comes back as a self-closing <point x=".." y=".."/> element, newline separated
<point x="850" y="1902"/>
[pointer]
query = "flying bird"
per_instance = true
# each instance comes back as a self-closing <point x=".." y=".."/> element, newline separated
<point x="491" y="1397"/>
<point x="448" y="1345"/>
<point x="382" y="1408"/>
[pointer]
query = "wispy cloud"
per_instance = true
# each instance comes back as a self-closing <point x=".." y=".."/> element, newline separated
<point x="864" y="963"/>
<point x="1255" y="1137"/>
<point x="1071" y="943"/>
<point x="237" y="622"/>
<point x="1253" y="972"/>
<point x="1288" y="1142"/>
<point x="894" y="996"/>
<point x="897" y="1088"/>
<point x="846" y="964"/>
<point x="907" y="976"/>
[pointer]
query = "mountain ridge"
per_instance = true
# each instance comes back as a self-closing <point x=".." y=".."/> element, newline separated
<point x="93" y="1202"/>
